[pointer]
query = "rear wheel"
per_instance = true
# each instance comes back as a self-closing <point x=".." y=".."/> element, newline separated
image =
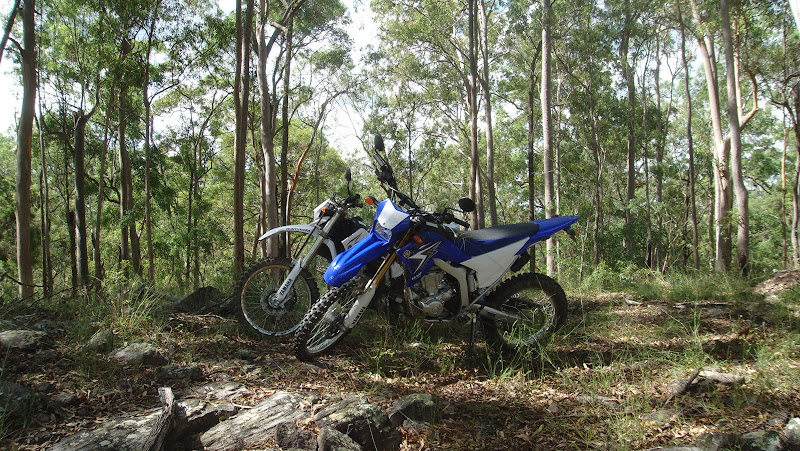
<point x="255" y="295"/>
<point x="539" y="306"/>
<point x="323" y="327"/>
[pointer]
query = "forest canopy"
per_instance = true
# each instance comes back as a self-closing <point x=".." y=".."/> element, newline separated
<point x="157" y="140"/>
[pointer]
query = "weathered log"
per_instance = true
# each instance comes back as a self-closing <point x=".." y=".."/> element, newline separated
<point x="164" y="423"/>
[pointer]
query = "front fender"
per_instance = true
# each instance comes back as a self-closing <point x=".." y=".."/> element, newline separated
<point x="307" y="229"/>
<point x="304" y="228"/>
<point x="347" y="264"/>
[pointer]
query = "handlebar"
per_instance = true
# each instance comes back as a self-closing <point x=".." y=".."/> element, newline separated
<point x="464" y="224"/>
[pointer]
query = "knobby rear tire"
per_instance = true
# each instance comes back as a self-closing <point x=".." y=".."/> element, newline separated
<point x="534" y="296"/>
<point x="322" y="328"/>
<point x="262" y="279"/>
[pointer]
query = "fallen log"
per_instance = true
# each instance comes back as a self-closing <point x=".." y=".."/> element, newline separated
<point x="164" y="424"/>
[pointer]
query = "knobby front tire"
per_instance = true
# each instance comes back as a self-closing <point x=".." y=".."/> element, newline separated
<point x="259" y="282"/>
<point x="536" y="298"/>
<point x="323" y="328"/>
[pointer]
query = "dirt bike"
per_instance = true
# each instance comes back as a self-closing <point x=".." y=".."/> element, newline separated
<point x="449" y="275"/>
<point x="273" y="294"/>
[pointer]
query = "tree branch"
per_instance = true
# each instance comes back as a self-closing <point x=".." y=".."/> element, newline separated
<point x="9" y="26"/>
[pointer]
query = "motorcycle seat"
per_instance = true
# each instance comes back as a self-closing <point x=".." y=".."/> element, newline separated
<point x="500" y="232"/>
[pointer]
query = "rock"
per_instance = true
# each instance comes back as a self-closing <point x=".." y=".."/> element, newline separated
<point x="129" y="431"/>
<point x="44" y="387"/>
<point x="140" y="354"/>
<point x="8" y="325"/>
<point x="792" y="434"/>
<point x="289" y="436"/>
<point x="364" y="422"/>
<point x="417" y="407"/>
<point x="101" y="341"/>
<point x="203" y="300"/>
<point x="661" y="417"/>
<point x="125" y="433"/>
<point x="412" y="427"/>
<point x="247" y="354"/>
<point x="172" y="372"/>
<point x="762" y="441"/>
<point x="254" y="428"/>
<point x="718" y="441"/>
<point x="18" y="401"/>
<point x="333" y="440"/>
<point x="313" y="367"/>
<point x="223" y="390"/>
<point x="194" y="416"/>
<point x="778" y="419"/>
<point x="597" y="399"/>
<point x="703" y="381"/>
<point x="721" y="378"/>
<point x="21" y="339"/>
<point x="49" y="326"/>
<point x="46" y="356"/>
<point x="62" y="400"/>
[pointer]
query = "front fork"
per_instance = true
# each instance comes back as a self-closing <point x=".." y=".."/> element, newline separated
<point x="368" y="293"/>
<point x="279" y="299"/>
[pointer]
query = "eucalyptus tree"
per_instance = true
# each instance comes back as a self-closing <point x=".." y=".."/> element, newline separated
<point x="547" y="126"/>
<point x="285" y="33"/>
<point x="24" y="148"/>
<point x="692" y="192"/>
<point x="274" y="19"/>
<point x="241" y="100"/>
<point x="705" y="33"/>
<point x="75" y="34"/>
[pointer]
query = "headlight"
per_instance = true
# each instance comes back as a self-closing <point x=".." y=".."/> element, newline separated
<point x="383" y="232"/>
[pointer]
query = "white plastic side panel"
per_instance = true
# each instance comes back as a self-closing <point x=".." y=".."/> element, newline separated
<point x="491" y="266"/>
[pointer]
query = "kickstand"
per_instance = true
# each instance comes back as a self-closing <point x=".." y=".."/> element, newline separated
<point x="472" y="326"/>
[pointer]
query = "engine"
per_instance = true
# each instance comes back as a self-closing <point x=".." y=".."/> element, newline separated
<point x="432" y="295"/>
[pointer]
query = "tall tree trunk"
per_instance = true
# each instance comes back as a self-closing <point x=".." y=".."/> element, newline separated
<point x="241" y="98"/>
<point x="743" y="229"/>
<point x="79" y="157"/>
<point x="547" y="128"/>
<point x="631" y="182"/>
<point x="476" y="187"/>
<point x="487" y="98"/>
<point x="44" y="210"/>
<point x="98" y="261"/>
<point x="195" y="196"/>
<point x="267" y="127"/>
<point x="658" y="173"/>
<point x="24" y="149"/>
<point x="147" y="144"/>
<point x="125" y="180"/>
<point x="723" y="192"/>
<point x="690" y="146"/>
<point x="285" y="193"/>
<point x="795" y="232"/>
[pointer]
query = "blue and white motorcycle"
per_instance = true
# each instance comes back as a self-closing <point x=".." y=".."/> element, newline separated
<point x="450" y="275"/>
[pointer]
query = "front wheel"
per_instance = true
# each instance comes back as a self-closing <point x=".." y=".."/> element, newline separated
<point x="255" y="295"/>
<point x="536" y="303"/>
<point x="323" y="327"/>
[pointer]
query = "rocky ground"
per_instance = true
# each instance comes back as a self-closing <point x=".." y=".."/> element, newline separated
<point x="235" y="391"/>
